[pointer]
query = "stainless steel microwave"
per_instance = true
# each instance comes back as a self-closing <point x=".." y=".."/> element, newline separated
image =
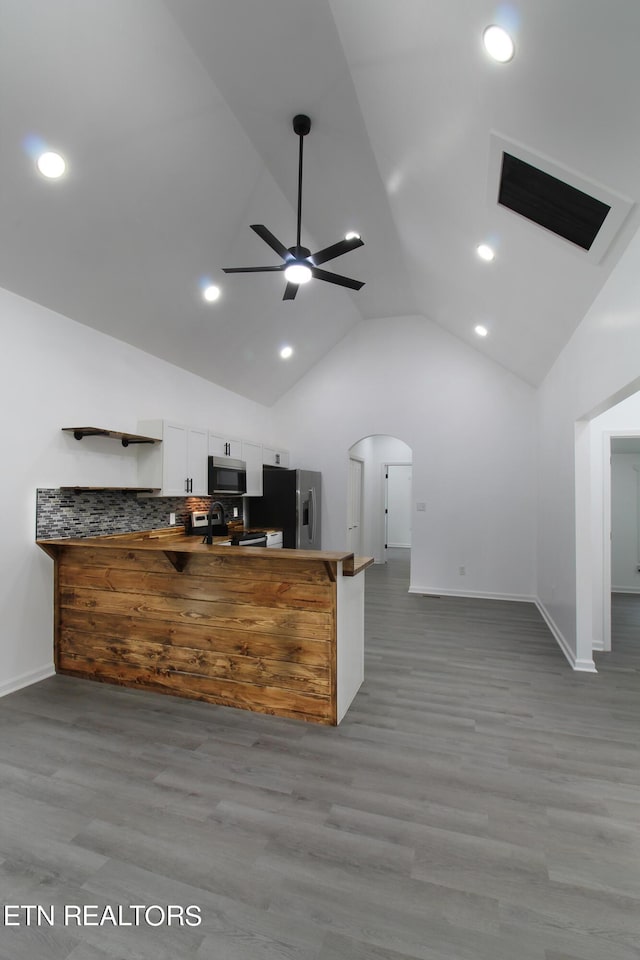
<point x="227" y="477"/>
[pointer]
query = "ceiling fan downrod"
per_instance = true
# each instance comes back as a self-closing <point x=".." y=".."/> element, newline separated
<point x="301" y="127"/>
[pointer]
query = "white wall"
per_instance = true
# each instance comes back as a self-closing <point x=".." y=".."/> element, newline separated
<point x="625" y="529"/>
<point x="598" y="368"/>
<point x="57" y="373"/>
<point x="471" y="427"/>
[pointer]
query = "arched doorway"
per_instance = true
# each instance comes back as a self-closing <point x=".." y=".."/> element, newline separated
<point x="379" y="498"/>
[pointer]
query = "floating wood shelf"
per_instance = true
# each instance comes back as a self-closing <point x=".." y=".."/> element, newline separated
<point x="125" y="438"/>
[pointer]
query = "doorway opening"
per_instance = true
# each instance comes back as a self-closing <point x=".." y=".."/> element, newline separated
<point x="620" y="511"/>
<point x="379" y="498"/>
<point x="617" y="420"/>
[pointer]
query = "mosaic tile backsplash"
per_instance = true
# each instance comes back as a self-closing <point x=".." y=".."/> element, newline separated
<point x="94" y="513"/>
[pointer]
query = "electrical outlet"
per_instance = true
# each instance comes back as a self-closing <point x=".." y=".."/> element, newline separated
<point x="172" y="519"/>
<point x="421" y="507"/>
<point x="462" y="571"/>
<point x="235" y="512"/>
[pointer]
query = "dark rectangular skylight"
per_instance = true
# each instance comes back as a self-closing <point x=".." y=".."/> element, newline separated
<point x="550" y="202"/>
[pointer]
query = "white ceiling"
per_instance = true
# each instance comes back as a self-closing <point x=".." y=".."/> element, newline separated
<point x="175" y="119"/>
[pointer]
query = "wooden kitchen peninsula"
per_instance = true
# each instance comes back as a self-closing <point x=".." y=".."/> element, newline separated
<point x="276" y="631"/>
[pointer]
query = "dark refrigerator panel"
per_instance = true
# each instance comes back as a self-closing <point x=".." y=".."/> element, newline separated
<point x="290" y="501"/>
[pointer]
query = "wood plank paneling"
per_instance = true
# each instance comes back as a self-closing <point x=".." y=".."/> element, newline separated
<point x="256" y="633"/>
<point x="300" y="623"/>
<point x="140" y="653"/>
<point x="248" y="696"/>
<point x="284" y="594"/>
<point x="222" y="640"/>
<point x="223" y="565"/>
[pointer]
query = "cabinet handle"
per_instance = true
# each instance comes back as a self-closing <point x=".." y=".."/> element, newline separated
<point x="191" y="485"/>
<point x="277" y="458"/>
<point x="186" y="485"/>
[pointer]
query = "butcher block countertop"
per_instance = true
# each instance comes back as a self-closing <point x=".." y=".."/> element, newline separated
<point x="271" y="630"/>
<point x="175" y="540"/>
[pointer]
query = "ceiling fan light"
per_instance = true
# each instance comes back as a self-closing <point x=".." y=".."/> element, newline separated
<point x="298" y="273"/>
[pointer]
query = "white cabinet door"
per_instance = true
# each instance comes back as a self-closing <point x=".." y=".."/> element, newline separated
<point x="177" y="467"/>
<point x="224" y="447"/>
<point x="275" y="458"/>
<point x="197" y="448"/>
<point x="252" y="456"/>
<point x="174" y="448"/>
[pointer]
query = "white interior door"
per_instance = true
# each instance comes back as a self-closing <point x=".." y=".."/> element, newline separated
<point x="354" y="506"/>
<point x="398" y="505"/>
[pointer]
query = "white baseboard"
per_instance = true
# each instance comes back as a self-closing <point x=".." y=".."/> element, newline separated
<point x="472" y="594"/>
<point x="583" y="666"/>
<point x="26" y="679"/>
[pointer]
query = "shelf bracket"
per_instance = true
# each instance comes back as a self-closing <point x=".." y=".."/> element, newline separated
<point x="126" y="441"/>
<point x="79" y="434"/>
<point x="177" y="560"/>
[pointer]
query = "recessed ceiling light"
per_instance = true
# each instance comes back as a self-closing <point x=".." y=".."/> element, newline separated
<point x="286" y="352"/>
<point x="298" y="273"/>
<point x="485" y="252"/>
<point x="480" y="330"/>
<point x="211" y="292"/>
<point x="51" y="165"/>
<point x="498" y="44"/>
<point x="352" y="235"/>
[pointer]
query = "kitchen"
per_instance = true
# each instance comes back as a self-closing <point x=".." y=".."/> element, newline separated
<point x="185" y="609"/>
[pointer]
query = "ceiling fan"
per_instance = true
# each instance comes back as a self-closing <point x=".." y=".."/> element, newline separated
<point x="299" y="264"/>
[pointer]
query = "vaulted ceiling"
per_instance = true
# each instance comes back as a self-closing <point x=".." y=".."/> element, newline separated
<point x="174" y="117"/>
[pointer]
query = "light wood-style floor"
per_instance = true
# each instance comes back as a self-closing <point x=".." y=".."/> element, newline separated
<point x="479" y="802"/>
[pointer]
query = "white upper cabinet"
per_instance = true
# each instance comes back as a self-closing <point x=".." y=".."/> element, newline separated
<point x="275" y="458"/>
<point x="177" y="467"/>
<point x="220" y="446"/>
<point x="197" y="471"/>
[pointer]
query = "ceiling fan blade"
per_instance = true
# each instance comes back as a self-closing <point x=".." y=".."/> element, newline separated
<point x="336" y="278"/>
<point x="290" y="291"/>
<point x="336" y="250"/>
<point x="273" y="242"/>
<point x="253" y="269"/>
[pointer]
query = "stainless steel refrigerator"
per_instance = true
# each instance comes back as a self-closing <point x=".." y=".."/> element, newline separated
<point x="290" y="500"/>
